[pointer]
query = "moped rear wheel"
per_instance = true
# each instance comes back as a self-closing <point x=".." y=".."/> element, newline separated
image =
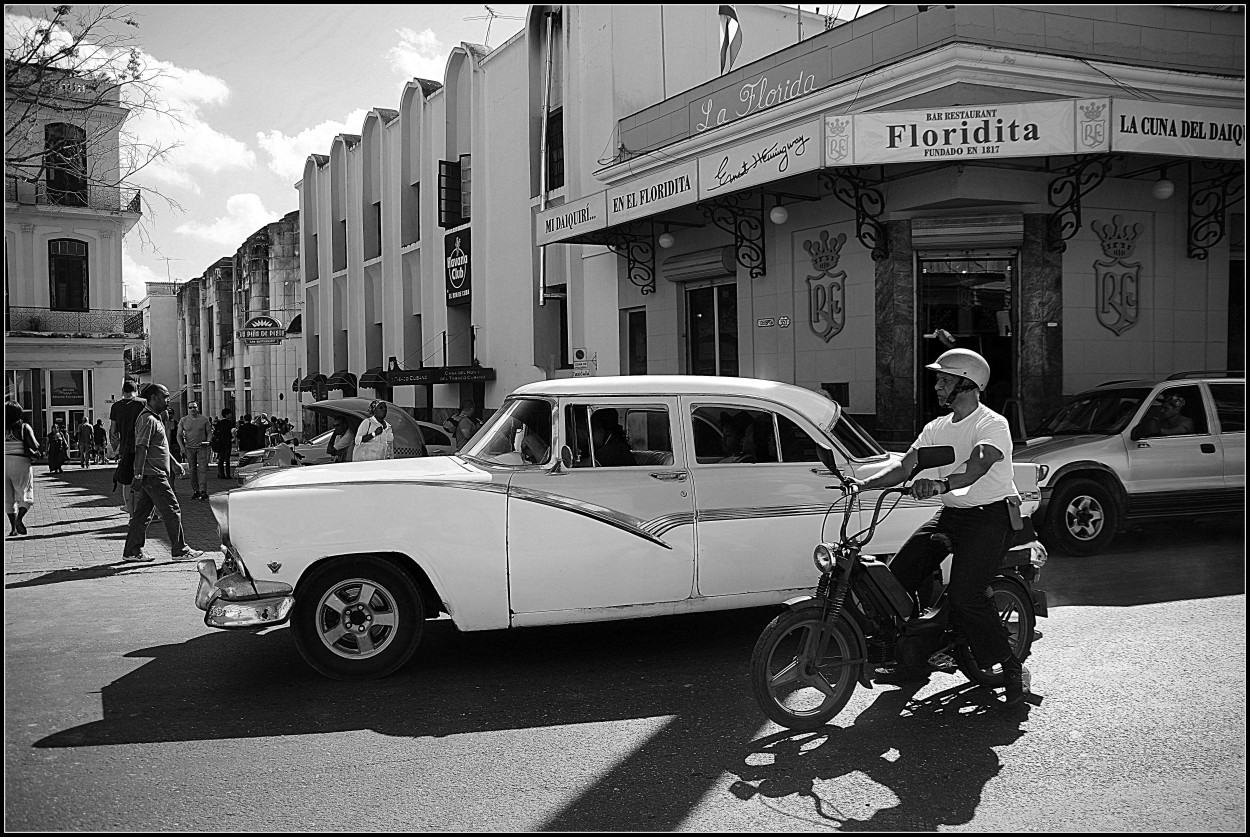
<point x="802" y="669"/>
<point x="1015" y="611"/>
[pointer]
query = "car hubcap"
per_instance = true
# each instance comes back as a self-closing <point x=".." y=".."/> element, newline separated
<point x="1085" y="518"/>
<point x="357" y="618"/>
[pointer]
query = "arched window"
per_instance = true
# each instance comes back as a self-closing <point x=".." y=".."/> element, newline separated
<point x="65" y="161"/>
<point x="67" y="275"/>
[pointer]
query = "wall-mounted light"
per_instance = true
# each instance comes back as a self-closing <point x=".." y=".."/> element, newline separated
<point x="779" y="215"/>
<point x="666" y="240"/>
<point x="1163" y="188"/>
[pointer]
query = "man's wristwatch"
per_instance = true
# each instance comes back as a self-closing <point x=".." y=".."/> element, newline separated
<point x="946" y="486"/>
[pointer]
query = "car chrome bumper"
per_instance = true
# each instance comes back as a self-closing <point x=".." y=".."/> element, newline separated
<point x="235" y="601"/>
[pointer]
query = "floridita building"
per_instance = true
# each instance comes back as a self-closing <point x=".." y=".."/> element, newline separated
<point x="1059" y="188"/>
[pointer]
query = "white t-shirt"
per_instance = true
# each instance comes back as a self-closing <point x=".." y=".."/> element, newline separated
<point x="381" y="446"/>
<point x="982" y="426"/>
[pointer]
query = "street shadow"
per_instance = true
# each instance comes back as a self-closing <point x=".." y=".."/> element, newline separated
<point x="931" y="757"/>
<point x="1158" y="562"/>
<point x="88" y="573"/>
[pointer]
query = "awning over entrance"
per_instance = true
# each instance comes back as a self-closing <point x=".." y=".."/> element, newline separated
<point x="297" y="325"/>
<point x="343" y="380"/>
<point x="428" y="375"/>
<point x="309" y="383"/>
<point x="374" y="378"/>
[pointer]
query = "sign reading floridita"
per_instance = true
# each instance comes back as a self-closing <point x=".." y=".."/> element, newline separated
<point x="762" y="160"/>
<point x="674" y="186"/>
<point x="969" y="133"/>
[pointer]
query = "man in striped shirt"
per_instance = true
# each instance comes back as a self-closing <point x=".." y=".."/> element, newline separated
<point x="151" y="486"/>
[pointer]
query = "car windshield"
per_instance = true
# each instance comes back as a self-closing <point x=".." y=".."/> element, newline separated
<point x="1103" y="412"/>
<point x="519" y="434"/>
<point x="857" y="443"/>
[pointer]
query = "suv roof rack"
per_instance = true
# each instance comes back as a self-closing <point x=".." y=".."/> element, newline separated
<point x="1211" y="373"/>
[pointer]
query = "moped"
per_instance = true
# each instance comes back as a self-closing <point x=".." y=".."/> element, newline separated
<point x="807" y="661"/>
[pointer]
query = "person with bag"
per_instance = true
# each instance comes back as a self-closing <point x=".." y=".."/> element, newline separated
<point x="58" y="449"/>
<point x="20" y="449"/>
<point x="122" y="417"/>
<point x="375" y="438"/>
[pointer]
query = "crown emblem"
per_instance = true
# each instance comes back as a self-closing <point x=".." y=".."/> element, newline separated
<point x="825" y="252"/>
<point x="837" y="127"/>
<point x="1118" y="240"/>
<point x="1093" y="110"/>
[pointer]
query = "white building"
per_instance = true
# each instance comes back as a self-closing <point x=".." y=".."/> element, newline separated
<point x="66" y="328"/>
<point x="422" y="279"/>
<point x="156" y="360"/>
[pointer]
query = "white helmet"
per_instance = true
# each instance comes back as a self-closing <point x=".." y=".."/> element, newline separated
<point x="964" y="363"/>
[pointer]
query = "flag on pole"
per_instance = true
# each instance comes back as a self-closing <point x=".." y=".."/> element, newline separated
<point x="730" y="38"/>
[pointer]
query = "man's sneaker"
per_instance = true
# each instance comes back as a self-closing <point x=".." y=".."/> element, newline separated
<point x="189" y="555"/>
<point x="141" y="558"/>
<point x="1013" y="682"/>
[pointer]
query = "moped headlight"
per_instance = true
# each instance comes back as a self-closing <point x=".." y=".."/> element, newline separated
<point x="823" y="557"/>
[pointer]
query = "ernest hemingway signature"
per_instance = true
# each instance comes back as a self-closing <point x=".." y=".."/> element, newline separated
<point x="777" y="150"/>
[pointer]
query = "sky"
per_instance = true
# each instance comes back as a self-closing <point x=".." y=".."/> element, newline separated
<point x="258" y="88"/>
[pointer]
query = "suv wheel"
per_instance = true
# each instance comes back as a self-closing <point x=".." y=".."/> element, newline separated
<point x="1082" y="517"/>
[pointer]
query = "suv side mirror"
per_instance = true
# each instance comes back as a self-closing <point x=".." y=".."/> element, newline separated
<point x="1135" y="433"/>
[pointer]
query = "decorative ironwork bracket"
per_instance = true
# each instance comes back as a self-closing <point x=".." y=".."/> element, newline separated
<point x="850" y="187"/>
<point x="638" y="248"/>
<point x="1209" y="200"/>
<point x="1075" y="181"/>
<point x="737" y="215"/>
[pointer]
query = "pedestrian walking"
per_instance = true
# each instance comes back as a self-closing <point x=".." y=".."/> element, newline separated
<point x="151" y="484"/>
<point x="122" y="416"/>
<point x="195" y="432"/>
<point x="20" y="449"/>
<point x="86" y="442"/>
<point x="223" y="442"/>
<point x="101" y="441"/>
<point x="58" y="449"/>
<point x="375" y="438"/>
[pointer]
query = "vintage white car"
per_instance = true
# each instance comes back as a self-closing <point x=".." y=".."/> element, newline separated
<point x="715" y="501"/>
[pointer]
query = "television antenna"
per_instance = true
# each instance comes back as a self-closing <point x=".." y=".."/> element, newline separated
<point x="489" y="17"/>
<point x="167" y="260"/>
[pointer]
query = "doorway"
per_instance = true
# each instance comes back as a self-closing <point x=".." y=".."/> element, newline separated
<point x="969" y="300"/>
<point x="712" y="330"/>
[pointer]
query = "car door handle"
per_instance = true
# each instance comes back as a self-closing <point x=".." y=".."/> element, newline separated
<point x="822" y="472"/>
<point x="1207" y="448"/>
<point x="669" y="476"/>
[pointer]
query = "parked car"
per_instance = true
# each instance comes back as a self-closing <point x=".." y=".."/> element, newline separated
<point x="1107" y="457"/>
<point x="718" y="503"/>
<point x="313" y="452"/>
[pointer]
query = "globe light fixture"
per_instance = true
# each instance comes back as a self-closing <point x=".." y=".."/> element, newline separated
<point x="779" y="215"/>
<point x="1163" y="189"/>
<point x="666" y="240"/>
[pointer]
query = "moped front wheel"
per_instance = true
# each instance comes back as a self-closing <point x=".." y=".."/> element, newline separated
<point x="803" y="670"/>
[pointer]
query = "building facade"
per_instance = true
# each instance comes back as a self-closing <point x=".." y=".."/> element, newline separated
<point x="1058" y="188"/>
<point x="156" y="360"/>
<point x="239" y="324"/>
<point x="66" y="328"/>
<point x="422" y="279"/>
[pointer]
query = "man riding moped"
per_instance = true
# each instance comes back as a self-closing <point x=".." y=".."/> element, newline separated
<point x="980" y="508"/>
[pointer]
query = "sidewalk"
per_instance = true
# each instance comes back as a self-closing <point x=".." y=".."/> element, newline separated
<point x="77" y="524"/>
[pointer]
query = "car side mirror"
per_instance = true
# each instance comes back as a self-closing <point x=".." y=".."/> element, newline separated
<point x="565" y="462"/>
<point x="1135" y="433"/>
<point x="826" y="458"/>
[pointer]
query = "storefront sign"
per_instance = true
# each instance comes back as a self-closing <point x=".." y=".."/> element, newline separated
<point x="1118" y="280"/>
<point x="572" y="219"/>
<point x="457" y="248"/>
<point x="972" y="133"/>
<point x="776" y="85"/>
<point x="439" y="375"/>
<point x="66" y="388"/>
<point x="1180" y="130"/>
<point x="262" y="329"/>
<point x="762" y="160"/>
<point x="673" y="187"/>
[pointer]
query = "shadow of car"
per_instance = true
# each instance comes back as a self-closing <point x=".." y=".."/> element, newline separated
<point x="412" y="438"/>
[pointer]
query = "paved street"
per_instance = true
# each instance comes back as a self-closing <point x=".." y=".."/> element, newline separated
<point x="123" y="712"/>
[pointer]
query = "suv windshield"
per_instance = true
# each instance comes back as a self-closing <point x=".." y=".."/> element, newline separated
<point x="1103" y="412"/>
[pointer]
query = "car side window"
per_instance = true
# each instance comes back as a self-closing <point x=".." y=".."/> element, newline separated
<point x="608" y="436"/>
<point x="796" y="444"/>
<point x="732" y="435"/>
<point x="1230" y="406"/>
<point x="1176" y="411"/>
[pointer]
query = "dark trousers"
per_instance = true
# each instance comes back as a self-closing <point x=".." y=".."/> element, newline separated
<point x="980" y="537"/>
<point x="154" y="491"/>
<point x="223" y="464"/>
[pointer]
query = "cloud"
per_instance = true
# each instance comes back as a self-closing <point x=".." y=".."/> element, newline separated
<point x="135" y="276"/>
<point x="418" y="54"/>
<point x="245" y="214"/>
<point x="287" y="154"/>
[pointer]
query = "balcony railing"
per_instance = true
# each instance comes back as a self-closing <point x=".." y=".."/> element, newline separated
<point x="110" y="198"/>
<point x="96" y="323"/>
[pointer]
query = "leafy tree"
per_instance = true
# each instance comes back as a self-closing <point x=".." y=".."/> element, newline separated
<point x="75" y="79"/>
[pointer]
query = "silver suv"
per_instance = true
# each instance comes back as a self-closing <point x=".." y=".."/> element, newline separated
<point x="1138" y="450"/>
